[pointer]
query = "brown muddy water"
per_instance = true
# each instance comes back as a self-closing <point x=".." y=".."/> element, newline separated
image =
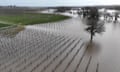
<point x="63" y="46"/>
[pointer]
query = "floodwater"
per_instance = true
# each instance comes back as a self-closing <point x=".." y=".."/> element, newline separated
<point x="63" y="46"/>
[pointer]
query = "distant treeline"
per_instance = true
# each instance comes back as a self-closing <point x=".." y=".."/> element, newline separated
<point x="116" y="7"/>
<point x="17" y="10"/>
<point x="110" y="7"/>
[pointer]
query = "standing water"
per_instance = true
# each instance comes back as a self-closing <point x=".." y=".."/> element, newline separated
<point x="61" y="47"/>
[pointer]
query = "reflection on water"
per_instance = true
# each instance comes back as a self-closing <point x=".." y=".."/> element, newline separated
<point x="94" y="48"/>
<point x="11" y="32"/>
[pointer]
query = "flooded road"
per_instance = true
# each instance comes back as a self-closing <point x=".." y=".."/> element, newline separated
<point x="61" y="47"/>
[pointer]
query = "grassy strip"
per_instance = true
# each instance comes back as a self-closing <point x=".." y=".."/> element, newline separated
<point x="4" y="25"/>
<point x="31" y="18"/>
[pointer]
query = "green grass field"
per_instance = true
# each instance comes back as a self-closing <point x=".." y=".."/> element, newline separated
<point x="29" y="18"/>
<point x="4" y="25"/>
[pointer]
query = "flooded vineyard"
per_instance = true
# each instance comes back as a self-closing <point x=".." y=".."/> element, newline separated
<point x="60" y="47"/>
